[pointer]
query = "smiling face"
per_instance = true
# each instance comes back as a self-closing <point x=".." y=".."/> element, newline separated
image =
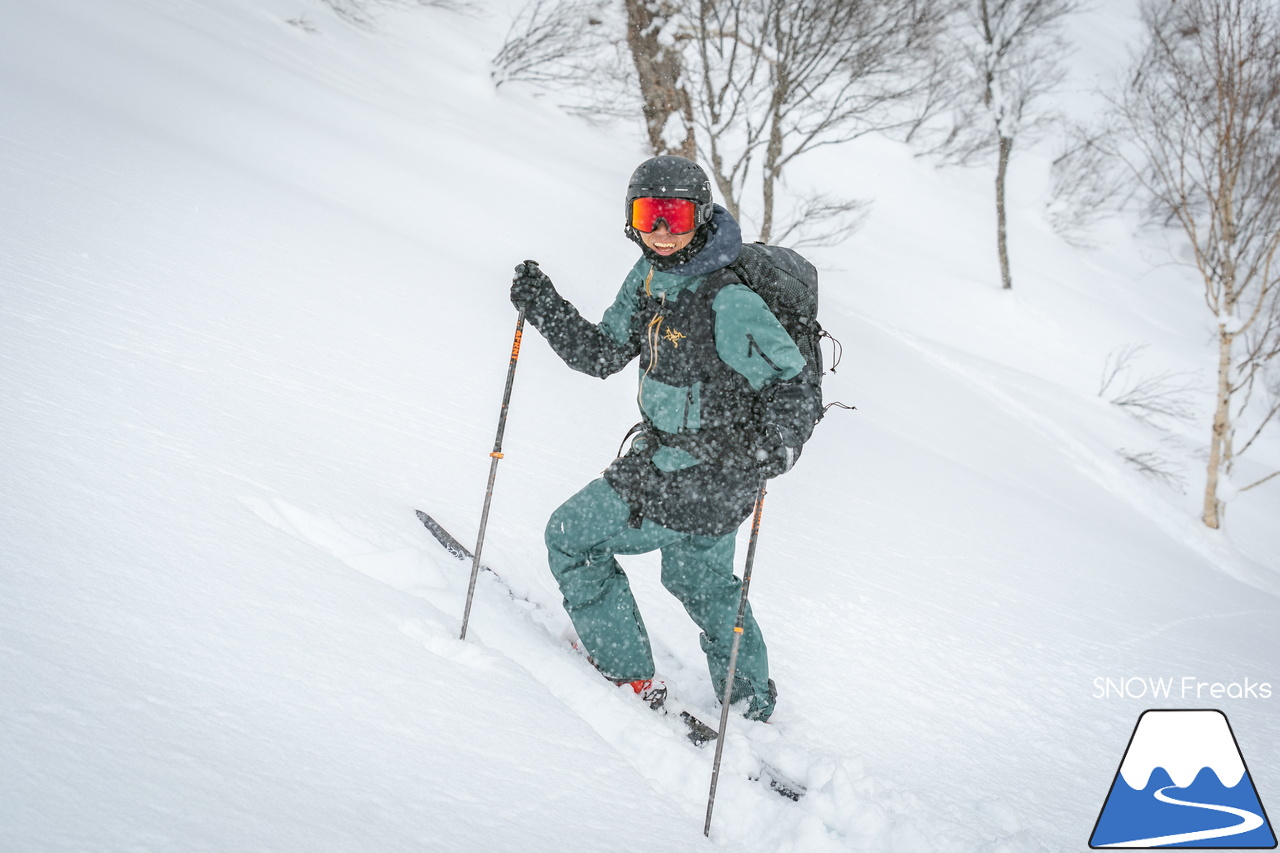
<point x="663" y="242"/>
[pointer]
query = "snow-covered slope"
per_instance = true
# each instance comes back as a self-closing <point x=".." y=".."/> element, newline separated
<point x="253" y="312"/>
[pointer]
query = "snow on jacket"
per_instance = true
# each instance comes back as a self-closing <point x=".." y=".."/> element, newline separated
<point x="716" y="368"/>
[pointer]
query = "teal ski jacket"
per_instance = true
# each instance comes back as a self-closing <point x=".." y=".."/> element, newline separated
<point x="716" y="372"/>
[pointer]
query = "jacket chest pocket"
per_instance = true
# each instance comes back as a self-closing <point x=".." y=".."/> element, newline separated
<point x="671" y="408"/>
<point x="680" y="354"/>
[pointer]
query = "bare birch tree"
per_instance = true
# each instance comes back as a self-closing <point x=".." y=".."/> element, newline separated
<point x="744" y="86"/>
<point x="1009" y="56"/>
<point x="1202" y="111"/>
<point x="772" y="80"/>
<point x="608" y="59"/>
<point x="1088" y="183"/>
<point x="666" y="106"/>
<point x="577" y="49"/>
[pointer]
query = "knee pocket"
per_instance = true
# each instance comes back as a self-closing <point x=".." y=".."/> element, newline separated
<point x="588" y="518"/>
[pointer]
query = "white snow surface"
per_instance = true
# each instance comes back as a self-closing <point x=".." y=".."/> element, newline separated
<point x="253" y="313"/>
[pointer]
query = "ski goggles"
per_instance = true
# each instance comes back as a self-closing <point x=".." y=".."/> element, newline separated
<point x="680" y="214"/>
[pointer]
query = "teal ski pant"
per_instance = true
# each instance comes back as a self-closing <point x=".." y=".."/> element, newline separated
<point x="582" y="538"/>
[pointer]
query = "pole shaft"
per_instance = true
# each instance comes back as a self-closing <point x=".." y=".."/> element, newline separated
<point x="733" y="658"/>
<point x="496" y="455"/>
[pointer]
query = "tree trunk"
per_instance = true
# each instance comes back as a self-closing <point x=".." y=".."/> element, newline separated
<point x="772" y="159"/>
<point x="661" y="74"/>
<point x="766" y="224"/>
<point x="1002" y="237"/>
<point x="1219" y="447"/>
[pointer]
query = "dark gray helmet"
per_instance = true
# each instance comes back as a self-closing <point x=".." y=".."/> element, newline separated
<point x="670" y="176"/>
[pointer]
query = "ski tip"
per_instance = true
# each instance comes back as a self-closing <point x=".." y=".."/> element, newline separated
<point x="444" y="537"/>
<point x="780" y="784"/>
<point x="699" y="732"/>
<point x="791" y="793"/>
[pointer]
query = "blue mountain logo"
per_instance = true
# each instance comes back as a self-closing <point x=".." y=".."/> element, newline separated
<point x="1183" y="783"/>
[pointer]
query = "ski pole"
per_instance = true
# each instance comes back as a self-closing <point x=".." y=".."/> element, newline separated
<point x="733" y="658"/>
<point x="493" y="472"/>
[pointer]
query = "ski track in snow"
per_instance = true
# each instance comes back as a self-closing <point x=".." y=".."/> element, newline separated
<point x="240" y="337"/>
<point x="834" y="814"/>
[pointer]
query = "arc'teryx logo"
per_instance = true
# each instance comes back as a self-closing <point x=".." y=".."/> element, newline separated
<point x="674" y="336"/>
<point x="1183" y="783"/>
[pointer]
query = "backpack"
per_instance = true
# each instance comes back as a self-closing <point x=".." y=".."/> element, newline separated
<point x="788" y="284"/>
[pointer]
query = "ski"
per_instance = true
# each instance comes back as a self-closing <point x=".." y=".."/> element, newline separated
<point x="699" y="733"/>
<point x="444" y="537"/>
<point x="462" y="552"/>
<point x="780" y="784"/>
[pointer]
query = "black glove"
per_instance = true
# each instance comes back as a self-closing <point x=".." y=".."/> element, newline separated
<point x="776" y="453"/>
<point x="529" y="286"/>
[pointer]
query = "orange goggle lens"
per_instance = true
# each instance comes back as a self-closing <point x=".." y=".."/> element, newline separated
<point x="680" y="214"/>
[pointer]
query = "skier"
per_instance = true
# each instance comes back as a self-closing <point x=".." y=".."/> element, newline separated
<point x="724" y="406"/>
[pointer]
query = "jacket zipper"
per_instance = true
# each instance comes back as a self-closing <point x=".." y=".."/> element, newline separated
<point x="653" y="332"/>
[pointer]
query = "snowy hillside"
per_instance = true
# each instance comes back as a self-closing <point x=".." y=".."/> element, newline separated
<point x="253" y="313"/>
